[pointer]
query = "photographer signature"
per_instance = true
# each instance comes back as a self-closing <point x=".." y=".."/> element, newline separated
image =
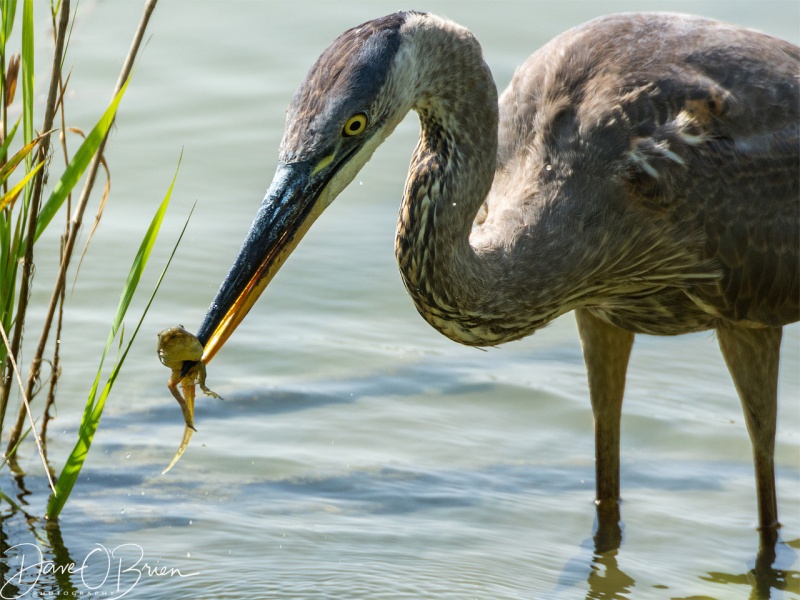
<point x="115" y="571"/>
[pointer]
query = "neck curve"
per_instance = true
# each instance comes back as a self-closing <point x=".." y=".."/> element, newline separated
<point x="545" y="243"/>
<point x="457" y="286"/>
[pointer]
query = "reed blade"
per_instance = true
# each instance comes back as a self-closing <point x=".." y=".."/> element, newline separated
<point x="95" y="404"/>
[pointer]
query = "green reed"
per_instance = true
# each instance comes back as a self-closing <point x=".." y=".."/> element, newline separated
<point x="27" y="211"/>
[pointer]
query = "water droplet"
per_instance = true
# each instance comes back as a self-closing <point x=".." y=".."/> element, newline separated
<point x="122" y="511"/>
<point x="188" y="555"/>
<point x="128" y="455"/>
<point x="548" y="167"/>
<point x="190" y="521"/>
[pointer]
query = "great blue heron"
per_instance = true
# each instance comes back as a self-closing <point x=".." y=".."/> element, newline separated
<point x="641" y="170"/>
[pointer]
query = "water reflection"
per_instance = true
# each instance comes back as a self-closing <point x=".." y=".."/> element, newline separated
<point x="607" y="581"/>
<point x="34" y="561"/>
<point x="25" y="537"/>
<point x="765" y="577"/>
<point x="9" y="589"/>
<point x="61" y="558"/>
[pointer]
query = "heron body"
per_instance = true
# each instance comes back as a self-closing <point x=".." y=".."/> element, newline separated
<point x="641" y="169"/>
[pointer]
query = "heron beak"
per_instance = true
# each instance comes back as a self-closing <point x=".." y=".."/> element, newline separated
<point x="291" y="204"/>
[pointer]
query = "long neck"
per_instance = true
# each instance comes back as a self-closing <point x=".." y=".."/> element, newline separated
<point x="540" y="248"/>
<point x="453" y="284"/>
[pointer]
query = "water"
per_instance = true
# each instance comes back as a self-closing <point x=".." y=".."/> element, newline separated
<point x="357" y="453"/>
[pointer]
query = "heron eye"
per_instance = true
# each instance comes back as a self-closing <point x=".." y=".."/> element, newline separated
<point x="355" y="125"/>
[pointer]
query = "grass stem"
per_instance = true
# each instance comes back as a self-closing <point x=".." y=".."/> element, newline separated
<point x="77" y="219"/>
<point x="28" y="409"/>
<point x="27" y="263"/>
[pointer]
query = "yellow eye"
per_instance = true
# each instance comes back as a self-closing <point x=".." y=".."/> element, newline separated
<point x="355" y="125"/>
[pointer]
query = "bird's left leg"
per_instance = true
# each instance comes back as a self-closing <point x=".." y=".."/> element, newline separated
<point x="752" y="356"/>
<point x="606" y="350"/>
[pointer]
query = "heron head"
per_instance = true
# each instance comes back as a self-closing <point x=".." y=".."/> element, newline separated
<point x="350" y="101"/>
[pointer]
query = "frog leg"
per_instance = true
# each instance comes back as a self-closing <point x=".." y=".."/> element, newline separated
<point x="188" y="411"/>
<point x="201" y="380"/>
<point x="208" y="392"/>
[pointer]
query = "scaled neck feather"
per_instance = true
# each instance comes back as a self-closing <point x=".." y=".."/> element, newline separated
<point x="454" y="285"/>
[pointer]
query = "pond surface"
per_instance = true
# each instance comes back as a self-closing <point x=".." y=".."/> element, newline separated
<point x="358" y="453"/>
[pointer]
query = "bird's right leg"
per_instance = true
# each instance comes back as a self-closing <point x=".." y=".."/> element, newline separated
<point x="606" y="350"/>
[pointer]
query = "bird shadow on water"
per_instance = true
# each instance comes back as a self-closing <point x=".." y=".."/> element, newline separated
<point x="607" y="581"/>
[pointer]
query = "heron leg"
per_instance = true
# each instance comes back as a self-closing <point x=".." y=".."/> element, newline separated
<point x="606" y="350"/>
<point x="752" y="356"/>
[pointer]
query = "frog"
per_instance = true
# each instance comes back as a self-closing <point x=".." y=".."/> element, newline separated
<point x="176" y="347"/>
<point x="181" y="352"/>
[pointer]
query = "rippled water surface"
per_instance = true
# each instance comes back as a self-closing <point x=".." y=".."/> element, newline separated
<point x="357" y="453"/>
